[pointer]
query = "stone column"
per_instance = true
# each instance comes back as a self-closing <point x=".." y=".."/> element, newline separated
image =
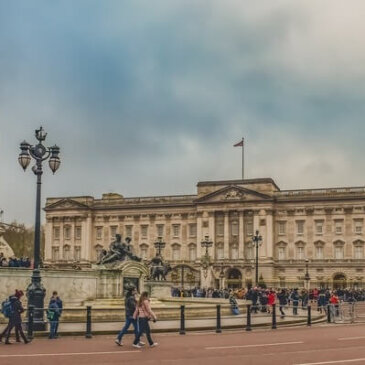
<point x="87" y="239"/>
<point x="212" y="234"/>
<point x="226" y="235"/>
<point x="269" y="234"/>
<point x="48" y="240"/>
<point x="199" y="235"/>
<point x="241" y="235"/>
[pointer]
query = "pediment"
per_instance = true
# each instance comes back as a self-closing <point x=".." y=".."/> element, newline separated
<point x="233" y="193"/>
<point x="66" y="204"/>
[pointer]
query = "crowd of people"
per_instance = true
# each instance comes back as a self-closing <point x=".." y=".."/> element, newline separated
<point x="14" y="261"/>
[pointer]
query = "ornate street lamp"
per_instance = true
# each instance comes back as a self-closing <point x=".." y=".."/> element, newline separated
<point x="206" y="258"/>
<point x="306" y="276"/>
<point x="40" y="153"/>
<point x="159" y="245"/>
<point x="257" y="241"/>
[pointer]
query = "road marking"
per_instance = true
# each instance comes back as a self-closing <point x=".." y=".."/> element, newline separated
<point x="257" y="345"/>
<point x="351" y="338"/>
<point x="73" y="353"/>
<point x="332" y="362"/>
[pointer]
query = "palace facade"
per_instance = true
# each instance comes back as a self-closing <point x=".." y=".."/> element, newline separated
<point x="319" y="230"/>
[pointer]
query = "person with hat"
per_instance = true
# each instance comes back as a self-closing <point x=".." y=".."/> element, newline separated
<point x="15" y="319"/>
<point x="130" y="303"/>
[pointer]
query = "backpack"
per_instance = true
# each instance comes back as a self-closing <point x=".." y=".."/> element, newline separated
<point x="6" y="308"/>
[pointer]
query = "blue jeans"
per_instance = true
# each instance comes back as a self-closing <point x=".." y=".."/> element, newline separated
<point x="53" y="329"/>
<point x="128" y="322"/>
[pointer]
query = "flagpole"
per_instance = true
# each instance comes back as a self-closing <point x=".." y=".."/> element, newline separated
<point x="243" y="159"/>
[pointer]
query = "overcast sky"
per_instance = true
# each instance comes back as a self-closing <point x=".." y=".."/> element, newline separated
<point x="148" y="97"/>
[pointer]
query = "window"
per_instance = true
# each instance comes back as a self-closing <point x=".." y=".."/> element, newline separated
<point x="338" y="252"/>
<point x="319" y="252"/>
<point x="144" y="252"/>
<point x="99" y="251"/>
<point x="99" y="233"/>
<point x="55" y="253"/>
<point x="249" y="228"/>
<point x="176" y="252"/>
<point x="359" y="252"/>
<point x="319" y="227"/>
<point x="113" y="231"/>
<point x="220" y="228"/>
<point x="144" y="231"/>
<point x="281" y="253"/>
<point x="129" y="231"/>
<point x="192" y="230"/>
<point x="176" y="230"/>
<point x="300" y="253"/>
<point x="234" y="228"/>
<point x="67" y="253"/>
<point x="358" y="226"/>
<point x="78" y="233"/>
<point x="192" y="252"/>
<point x="160" y="228"/>
<point x="249" y="252"/>
<point x="300" y="227"/>
<point x="338" y="227"/>
<point x="234" y="252"/>
<point x="77" y="253"/>
<point x="220" y="251"/>
<point x="281" y="227"/>
<point x="67" y="230"/>
<point x="56" y="233"/>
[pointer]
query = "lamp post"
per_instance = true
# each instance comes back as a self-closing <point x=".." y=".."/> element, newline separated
<point x="40" y="153"/>
<point x="306" y="276"/>
<point x="206" y="259"/>
<point x="257" y="240"/>
<point x="159" y="245"/>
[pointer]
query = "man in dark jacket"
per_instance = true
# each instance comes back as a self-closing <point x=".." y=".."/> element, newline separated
<point x="130" y="307"/>
<point x="15" y="318"/>
<point x="283" y="301"/>
<point x="59" y="305"/>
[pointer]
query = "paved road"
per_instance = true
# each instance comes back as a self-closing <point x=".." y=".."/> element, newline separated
<point x="326" y="344"/>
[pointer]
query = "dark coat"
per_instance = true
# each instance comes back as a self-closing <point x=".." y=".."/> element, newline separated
<point x="17" y="308"/>
<point x="130" y="306"/>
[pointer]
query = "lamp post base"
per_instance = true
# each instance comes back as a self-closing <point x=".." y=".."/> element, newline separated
<point x="35" y="294"/>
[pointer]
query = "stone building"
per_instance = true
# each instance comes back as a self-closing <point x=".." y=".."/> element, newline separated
<point x="323" y="226"/>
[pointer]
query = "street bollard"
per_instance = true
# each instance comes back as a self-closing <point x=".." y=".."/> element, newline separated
<point x="248" y="323"/>
<point x="309" y="319"/>
<point x="182" y="320"/>
<point x="329" y="313"/>
<point x="30" y="321"/>
<point x="219" y="328"/>
<point x="273" y="317"/>
<point x="88" y="333"/>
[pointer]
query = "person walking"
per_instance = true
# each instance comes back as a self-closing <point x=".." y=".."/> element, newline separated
<point x="294" y="297"/>
<point x="283" y="301"/>
<point x="15" y="317"/>
<point x="130" y="304"/>
<point x="143" y="314"/>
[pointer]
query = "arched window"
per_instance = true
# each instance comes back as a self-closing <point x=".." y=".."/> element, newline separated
<point x="67" y="252"/>
<point x="249" y="251"/>
<point x="144" y="251"/>
<point x="234" y="251"/>
<point x="339" y="250"/>
<point x="55" y="253"/>
<point x="281" y="250"/>
<point x="319" y="249"/>
<point x="300" y="250"/>
<point x="176" y="251"/>
<point x="192" y="252"/>
<point x="98" y="252"/>
<point x="359" y="249"/>
<point x="220" y="251"/>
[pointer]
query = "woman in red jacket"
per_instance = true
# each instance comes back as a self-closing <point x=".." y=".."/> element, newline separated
<point x="271" y="300"/>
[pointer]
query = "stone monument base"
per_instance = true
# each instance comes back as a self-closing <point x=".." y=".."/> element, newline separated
<point x="158" y="289"/>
